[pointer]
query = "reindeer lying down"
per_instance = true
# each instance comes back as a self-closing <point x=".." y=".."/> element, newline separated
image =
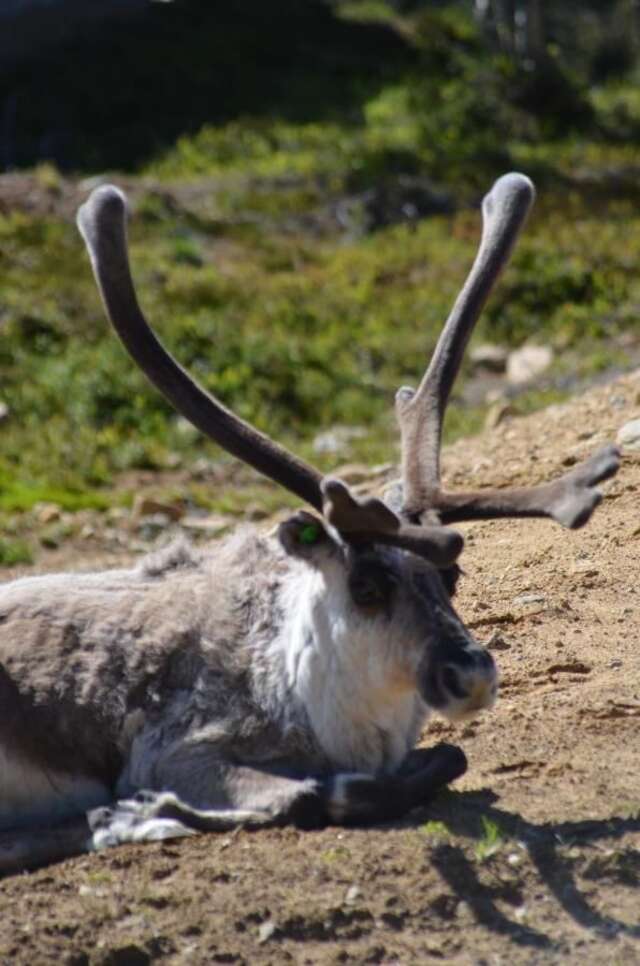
<point x="268" y="678"/>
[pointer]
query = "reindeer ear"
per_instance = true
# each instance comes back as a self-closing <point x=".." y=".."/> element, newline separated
<point x="303" y="534"/>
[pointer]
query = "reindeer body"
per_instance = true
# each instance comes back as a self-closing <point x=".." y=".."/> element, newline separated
<point x="160" y="676"/>
<point x="99" y="659"/>
<point x="269" y="678"/>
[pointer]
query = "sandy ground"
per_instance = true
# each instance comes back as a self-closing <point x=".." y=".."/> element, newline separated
<point x="533" y="857"/>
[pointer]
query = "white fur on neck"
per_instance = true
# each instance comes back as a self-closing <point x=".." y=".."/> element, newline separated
<point x="346" y="671"/>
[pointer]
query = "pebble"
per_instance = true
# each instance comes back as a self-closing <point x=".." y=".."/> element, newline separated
<point x="526" y="363"/>
<point x="47" y="512"/>
<point x="492" y="358"/>
<point x="266" y="931"/>
<point x="353" y="894"/>
<point x="629" y="435"/>
<point x="520" y="914"/>
<point x="523" y="600"/>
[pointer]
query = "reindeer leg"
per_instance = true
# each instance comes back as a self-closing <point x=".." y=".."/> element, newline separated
<point x="257" y="798"/>
<point x="25" y="849"/>
<point x="366" y="800"/>
<point x="239" y="796"/>
<point x="154" y="816"/>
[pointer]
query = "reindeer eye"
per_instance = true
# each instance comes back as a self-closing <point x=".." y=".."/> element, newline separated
<point x="309" y="534"/>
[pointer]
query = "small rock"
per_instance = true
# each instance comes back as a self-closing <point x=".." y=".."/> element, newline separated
<point x="629" y="435"/>
<point x="353" y="894"/>
<point x="266" y="931"/>
<point x="47" y="512"/>
<point x="526" y="600"/>
<point x="520" y="914"/>
<point x="526" y="363"/>
<point x="492" y="358"/>
<point x="4" y="411"/>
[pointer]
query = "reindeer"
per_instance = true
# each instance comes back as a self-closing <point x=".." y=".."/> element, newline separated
<point x="269" y="678"/>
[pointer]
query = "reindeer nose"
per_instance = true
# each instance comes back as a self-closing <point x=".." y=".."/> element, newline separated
<point x="476" y="682"/>
<point x="463" y="682"/>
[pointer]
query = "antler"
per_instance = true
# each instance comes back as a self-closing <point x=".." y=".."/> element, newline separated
<point x="102" y="223"/>
<point x="571" y="499"/>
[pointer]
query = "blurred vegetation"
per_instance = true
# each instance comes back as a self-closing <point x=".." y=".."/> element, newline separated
<point x="281" y="159"/>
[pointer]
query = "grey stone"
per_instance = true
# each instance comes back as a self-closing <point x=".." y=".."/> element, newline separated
<point x="523" y="365"/>
<point x="629" y="435"/>
<point x="492" y="358"/>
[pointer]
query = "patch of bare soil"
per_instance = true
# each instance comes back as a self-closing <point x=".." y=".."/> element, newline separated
<point x="533" y="857"/>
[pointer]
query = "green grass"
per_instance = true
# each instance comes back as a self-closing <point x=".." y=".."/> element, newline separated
<point x="436" y="831"/>
<point x="294" y="323"/>
<point x="296" y="336"/>
<point x="14" y="552"/>
<point x="491" y="840"/>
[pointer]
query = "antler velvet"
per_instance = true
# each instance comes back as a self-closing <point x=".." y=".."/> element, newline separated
<point x="571" y="499"/>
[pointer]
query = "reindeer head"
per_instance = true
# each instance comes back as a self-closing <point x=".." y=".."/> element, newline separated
<point x="391" y="564"/>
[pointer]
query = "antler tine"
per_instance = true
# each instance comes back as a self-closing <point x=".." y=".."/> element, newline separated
<point x="569" y="500"/>
<point x="420" y="413"/>
<point x="102" y="224"/>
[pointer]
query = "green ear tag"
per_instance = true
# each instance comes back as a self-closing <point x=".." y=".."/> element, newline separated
<point x="309" y="534"/>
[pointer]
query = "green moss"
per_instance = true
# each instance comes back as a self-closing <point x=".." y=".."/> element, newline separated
<point x="15" y="552"/>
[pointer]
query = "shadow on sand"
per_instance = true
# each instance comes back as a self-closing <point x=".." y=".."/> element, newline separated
<point x="465" y="814"/>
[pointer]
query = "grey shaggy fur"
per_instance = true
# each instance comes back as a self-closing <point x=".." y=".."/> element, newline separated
<point x="79" y="656"/>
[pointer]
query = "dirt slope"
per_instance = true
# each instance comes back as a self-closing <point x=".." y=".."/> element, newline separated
<point x="533" y="858"/>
